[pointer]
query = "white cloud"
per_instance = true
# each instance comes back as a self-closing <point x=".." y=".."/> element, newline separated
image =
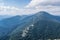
<point x="8" y="10"/>
<point x="33" y="3"/>
<point x="33" y="7"/>
<point x="51" y="6"/>
<point x="55" y="10"/>
<point x="11" y="10"/>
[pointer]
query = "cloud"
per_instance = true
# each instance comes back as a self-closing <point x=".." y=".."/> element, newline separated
<point x="51" y="6"/>
<point x="11" y="10"/>
<point x="8" y="10"/>
<point x="33" y="3"/>
<point x="54" y="10"/>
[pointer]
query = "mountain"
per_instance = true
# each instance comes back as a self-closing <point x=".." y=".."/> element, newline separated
<point x="8" y="24"/>
<point x="4" y="17"/>
<point x="38" y="26"/>
<point x="10" y="21"/>
<point x="33" y="27"/>
<point x="49" y="16"/>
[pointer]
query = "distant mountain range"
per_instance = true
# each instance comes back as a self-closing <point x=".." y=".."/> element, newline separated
<point x="4" y="17"/>
<point x="33" y="27"/>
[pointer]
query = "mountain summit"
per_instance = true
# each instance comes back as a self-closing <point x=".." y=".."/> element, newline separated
<point x="43" y="13"/>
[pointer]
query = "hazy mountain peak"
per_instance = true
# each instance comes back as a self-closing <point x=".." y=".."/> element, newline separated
<point x="17" y="16"/>
<point x="43" y="13"/>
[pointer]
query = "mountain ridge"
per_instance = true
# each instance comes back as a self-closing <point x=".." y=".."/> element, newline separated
<point x="33" y="22"/>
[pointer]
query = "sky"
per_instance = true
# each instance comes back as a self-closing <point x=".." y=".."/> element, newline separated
<point x="16" y="3"/>
<point x="26" y="7"/>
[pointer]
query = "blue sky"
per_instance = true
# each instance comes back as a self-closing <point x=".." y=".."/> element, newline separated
<point x="17" y="3"/>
